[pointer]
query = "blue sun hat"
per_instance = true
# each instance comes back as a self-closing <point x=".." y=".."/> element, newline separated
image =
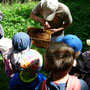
<point x="21" y="41"/>
<point x="71" y="40"/>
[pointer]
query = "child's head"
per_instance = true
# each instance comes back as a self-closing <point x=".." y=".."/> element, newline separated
<point x="21" y="41"/>
<point x="31" y="61"/>
<point x="73" y="41"/>
<point x="59" y="57"/>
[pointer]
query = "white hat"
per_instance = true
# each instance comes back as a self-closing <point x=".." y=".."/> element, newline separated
<point x="49" y="9"/>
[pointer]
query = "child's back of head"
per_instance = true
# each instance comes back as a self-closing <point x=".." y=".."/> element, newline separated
<point x="59" y="57"/>
<point x="21" y="41"/>
<point x="73" y="41"/>
<point x="31" y="61"/>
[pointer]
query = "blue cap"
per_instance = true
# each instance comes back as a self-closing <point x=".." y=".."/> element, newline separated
<point x="21" y="41"/>
<point x="71" y="40"/>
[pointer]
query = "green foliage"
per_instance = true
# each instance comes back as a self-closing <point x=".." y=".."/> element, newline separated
<point x="17" y="18"/>
<point x="80" y="11"/>
<point x="4" y="80"/>
<point x="13" y="1"/>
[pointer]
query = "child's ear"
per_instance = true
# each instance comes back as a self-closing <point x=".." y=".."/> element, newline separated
<point x="77" y="54"/>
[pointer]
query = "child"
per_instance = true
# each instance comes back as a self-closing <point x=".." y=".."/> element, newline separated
<point x="59" y="58"/>
<point x="1" y="28"/>
<point x="29" y="78"/>
<point x="21" y="43"/>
